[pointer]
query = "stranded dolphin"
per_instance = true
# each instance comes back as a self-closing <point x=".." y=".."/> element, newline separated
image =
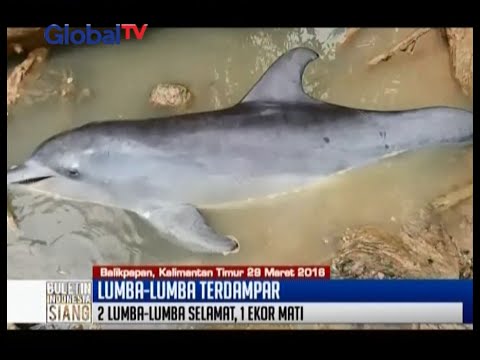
<point x="275" y="138"/>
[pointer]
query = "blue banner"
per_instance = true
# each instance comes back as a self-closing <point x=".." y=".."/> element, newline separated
<point x="286" y="291"/>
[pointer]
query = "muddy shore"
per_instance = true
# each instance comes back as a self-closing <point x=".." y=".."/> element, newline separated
<point x="460" y="46"/>
<point x="437" y="242"/>
<point x="459" y="41"/>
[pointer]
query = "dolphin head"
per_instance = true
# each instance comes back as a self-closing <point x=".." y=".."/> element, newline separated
<point x="60" y="166"/>
<point x="59" y="156"/>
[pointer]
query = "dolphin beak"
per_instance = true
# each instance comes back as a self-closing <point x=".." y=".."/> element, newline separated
<point x="28" y="173"/>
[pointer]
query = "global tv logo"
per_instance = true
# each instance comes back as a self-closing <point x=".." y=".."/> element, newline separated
<point x="58" y="35"/>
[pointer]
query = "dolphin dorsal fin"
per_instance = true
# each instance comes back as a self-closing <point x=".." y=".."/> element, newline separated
<point x="282" y="82"/>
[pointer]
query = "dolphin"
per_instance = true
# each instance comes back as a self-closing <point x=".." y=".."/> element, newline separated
<point x="276" y="138"/>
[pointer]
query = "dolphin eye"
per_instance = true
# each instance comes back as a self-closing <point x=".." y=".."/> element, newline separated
<point x="73" y="172"/>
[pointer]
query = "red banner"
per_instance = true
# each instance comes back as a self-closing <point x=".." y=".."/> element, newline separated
<point x="211" y="272"/>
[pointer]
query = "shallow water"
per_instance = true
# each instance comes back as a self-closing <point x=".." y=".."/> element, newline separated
<point x="63" y="239"/>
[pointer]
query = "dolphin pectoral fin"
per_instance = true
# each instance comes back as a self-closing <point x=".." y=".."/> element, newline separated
<point x="283" y="81"/>
<point x="183" y="225"/>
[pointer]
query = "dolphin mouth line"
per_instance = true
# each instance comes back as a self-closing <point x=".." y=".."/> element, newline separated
<point x="32" y="180"/>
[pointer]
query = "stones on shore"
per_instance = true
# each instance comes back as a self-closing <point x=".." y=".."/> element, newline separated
<point x="170" y="95"/>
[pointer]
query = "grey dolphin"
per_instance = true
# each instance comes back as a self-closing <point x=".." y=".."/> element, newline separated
<point x="275" y="138"/>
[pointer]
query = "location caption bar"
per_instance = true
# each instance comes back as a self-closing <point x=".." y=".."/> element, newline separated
<point x="112" y="272"/>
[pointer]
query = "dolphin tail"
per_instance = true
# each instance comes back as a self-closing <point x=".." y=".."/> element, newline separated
<point x="183" y="225"/>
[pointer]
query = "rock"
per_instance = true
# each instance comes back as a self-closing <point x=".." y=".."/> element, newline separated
<point x="170" y="95"/>
<point x="460" y="43"/>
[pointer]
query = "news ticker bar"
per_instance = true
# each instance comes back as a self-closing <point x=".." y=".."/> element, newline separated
<point x="275" y="313"/>
<point x="334" y="301"/>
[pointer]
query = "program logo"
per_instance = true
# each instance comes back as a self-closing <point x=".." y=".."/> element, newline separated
<point x="58" y="35"/>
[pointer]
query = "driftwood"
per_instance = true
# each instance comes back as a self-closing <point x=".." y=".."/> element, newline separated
<point x="406" y="45"/>
<point x="349" y="34"/>
<point x="460" y="43"/>
<point x="11" y="218"/>
<point x="422" y="248"/>
<point x="11" y="221"/>
<point x="448" y="201"/>
<point x="21" y="40"/>
<point x="24" y="40"/>
<point x="16" y="79"/>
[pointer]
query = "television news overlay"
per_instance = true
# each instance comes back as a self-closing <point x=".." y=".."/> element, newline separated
<point x="236" y="295"/>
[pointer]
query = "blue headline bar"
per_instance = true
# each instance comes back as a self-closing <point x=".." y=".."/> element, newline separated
<point x="290" y="290"/>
